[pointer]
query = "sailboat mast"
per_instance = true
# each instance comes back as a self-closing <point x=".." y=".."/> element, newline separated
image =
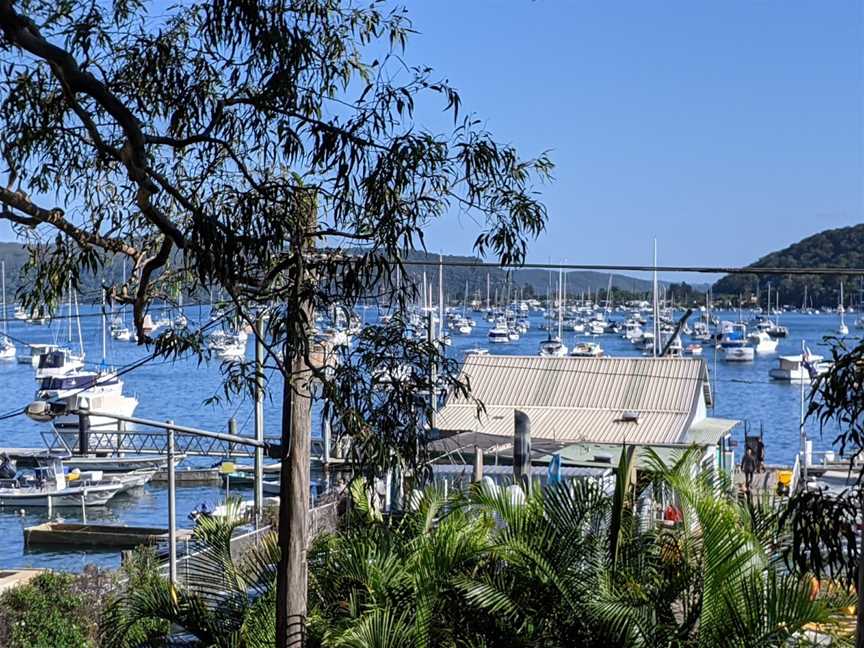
<point x="69" y="319"/>
<point x="655" y="310"/>
<point x="104" y="343"/>
<point x="488" y="304"/>
<point x="78" y="321"/>
<point x="441" y="308"/>
<point x="560" y="303"/>
<point x="5" y="316"/>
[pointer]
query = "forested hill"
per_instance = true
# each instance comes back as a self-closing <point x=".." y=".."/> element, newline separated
<point x="842" y="247"/>
<point x="457" y="273"/>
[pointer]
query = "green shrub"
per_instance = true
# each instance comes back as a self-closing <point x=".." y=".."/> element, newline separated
<point x="47" y="612"/>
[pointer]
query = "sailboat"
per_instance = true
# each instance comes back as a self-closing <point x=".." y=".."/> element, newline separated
<point x="7" y="349"/>
<point x="60" y="360"/>
<point x="553" y="347"/>
<point x="842" y="329"/>
<point x="119" y="330"/>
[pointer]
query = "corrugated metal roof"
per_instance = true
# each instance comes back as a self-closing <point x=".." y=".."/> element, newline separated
<point x="580" y="399"/>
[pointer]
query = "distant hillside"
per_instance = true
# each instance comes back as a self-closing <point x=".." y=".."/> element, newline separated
<point x="842" y="247"/>
<point x="528" y="282"/>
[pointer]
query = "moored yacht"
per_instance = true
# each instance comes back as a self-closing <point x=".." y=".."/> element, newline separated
<point x="792" y="369"/>
<point x="587" y="350"/>
<point x="499" y="333"/>
<point x="552" y="347"/>
<point x="58" y="362"/>
<point x="762" y="342"/>
<point x="738" y="354"/>
<point x="58" y="396"/>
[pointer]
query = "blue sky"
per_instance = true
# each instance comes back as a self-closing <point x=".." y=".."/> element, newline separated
<point x="725" y="129"/>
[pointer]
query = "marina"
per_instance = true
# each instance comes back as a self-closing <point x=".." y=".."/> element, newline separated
<point x="749" y="392"/>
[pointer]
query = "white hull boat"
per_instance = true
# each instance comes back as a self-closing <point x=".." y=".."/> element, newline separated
<point x="739" y="354"/>
<point x="72" y="496"/>
<point x="552" y="348"/>
<point x="587" y="350"/>
<point x="790" y="369"/>
<point x="763" y="343"/>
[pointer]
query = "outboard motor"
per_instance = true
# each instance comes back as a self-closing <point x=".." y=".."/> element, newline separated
<point x="204" y="509"/>
<point x="7" y="467"/>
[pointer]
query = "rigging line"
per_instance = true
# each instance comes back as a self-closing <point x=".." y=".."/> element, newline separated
<point x="643" y="268"/>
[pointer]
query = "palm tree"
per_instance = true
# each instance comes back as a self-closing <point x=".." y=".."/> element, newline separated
<point x="567" y="565"/>
<point x="225" y="602"/>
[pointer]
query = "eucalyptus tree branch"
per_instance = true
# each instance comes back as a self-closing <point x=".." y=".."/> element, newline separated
<point x="36" y="215"/>
<point x="23" y="32"/>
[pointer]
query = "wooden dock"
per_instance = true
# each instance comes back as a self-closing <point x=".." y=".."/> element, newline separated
<point x="10" y="578"/>
<point x="96" y="536"/>
<point x="188" y="475"/>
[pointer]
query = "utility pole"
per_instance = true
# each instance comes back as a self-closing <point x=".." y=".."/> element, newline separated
<point x="259" y="417"/>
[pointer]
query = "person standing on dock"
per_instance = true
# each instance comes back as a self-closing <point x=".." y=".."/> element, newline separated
<point x="748" y="466"/>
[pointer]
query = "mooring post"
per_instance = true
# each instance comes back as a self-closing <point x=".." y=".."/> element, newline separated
<point x="522" y="449"/>
<point x="478" y="463"/>
<point x="83" y="433"/>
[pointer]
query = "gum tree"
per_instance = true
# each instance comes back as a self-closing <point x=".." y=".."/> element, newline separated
<point x="269" y="149"/>
<point x="826" y="527"/>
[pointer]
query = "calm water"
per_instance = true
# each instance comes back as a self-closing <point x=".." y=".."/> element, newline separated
<point x="177" y="390"/>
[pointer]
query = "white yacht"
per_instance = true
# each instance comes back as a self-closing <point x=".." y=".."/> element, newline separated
<point x="738" y="354"/>
<point x="842" y="329"/>
<point x="7" y="348"/>
<point x="587" y="350"/>
<point x="499" y="333"/>
<point x="58" y="362"/>
<point x="31" y="355"/>
<point x="762" y="342"/>
<point x="791" y="369"/>
<point x="99" y="392"/>
<point x="552" y="347"/>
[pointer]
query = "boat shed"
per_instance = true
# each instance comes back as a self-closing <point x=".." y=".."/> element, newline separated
<point x="586" y="409"/>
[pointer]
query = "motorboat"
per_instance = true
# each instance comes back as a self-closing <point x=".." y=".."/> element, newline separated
<point x="790" y="368"/>
<point x="739" y="354"/>
<point x="31" y="355"/>
<point x="232" y="346"/>
<point x="552" y="347"/>
<point x="587" y="350"/>
<point x="476" y="351"/>
<point x="733" y="335"/>
<point x="122" y="334"/>
<point x="7" y="348"/>
<point x="58" y="362"/>
<point x="693" y="350"/>
<point x="499" y="334"/>
<point x="762" y="342"/>
<point x="59" y="396"/>
<point x="49" y="488"/>
<point x="777" y="331"/>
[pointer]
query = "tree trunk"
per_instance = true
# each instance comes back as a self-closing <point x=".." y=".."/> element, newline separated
<point x="294" y="508"/>
<point x="859" y="625"/>
<point x="294" y="495"/>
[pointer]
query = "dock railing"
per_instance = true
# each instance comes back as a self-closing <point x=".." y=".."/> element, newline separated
<point x="321" y="519"/>
<point x="141" y="441"/>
